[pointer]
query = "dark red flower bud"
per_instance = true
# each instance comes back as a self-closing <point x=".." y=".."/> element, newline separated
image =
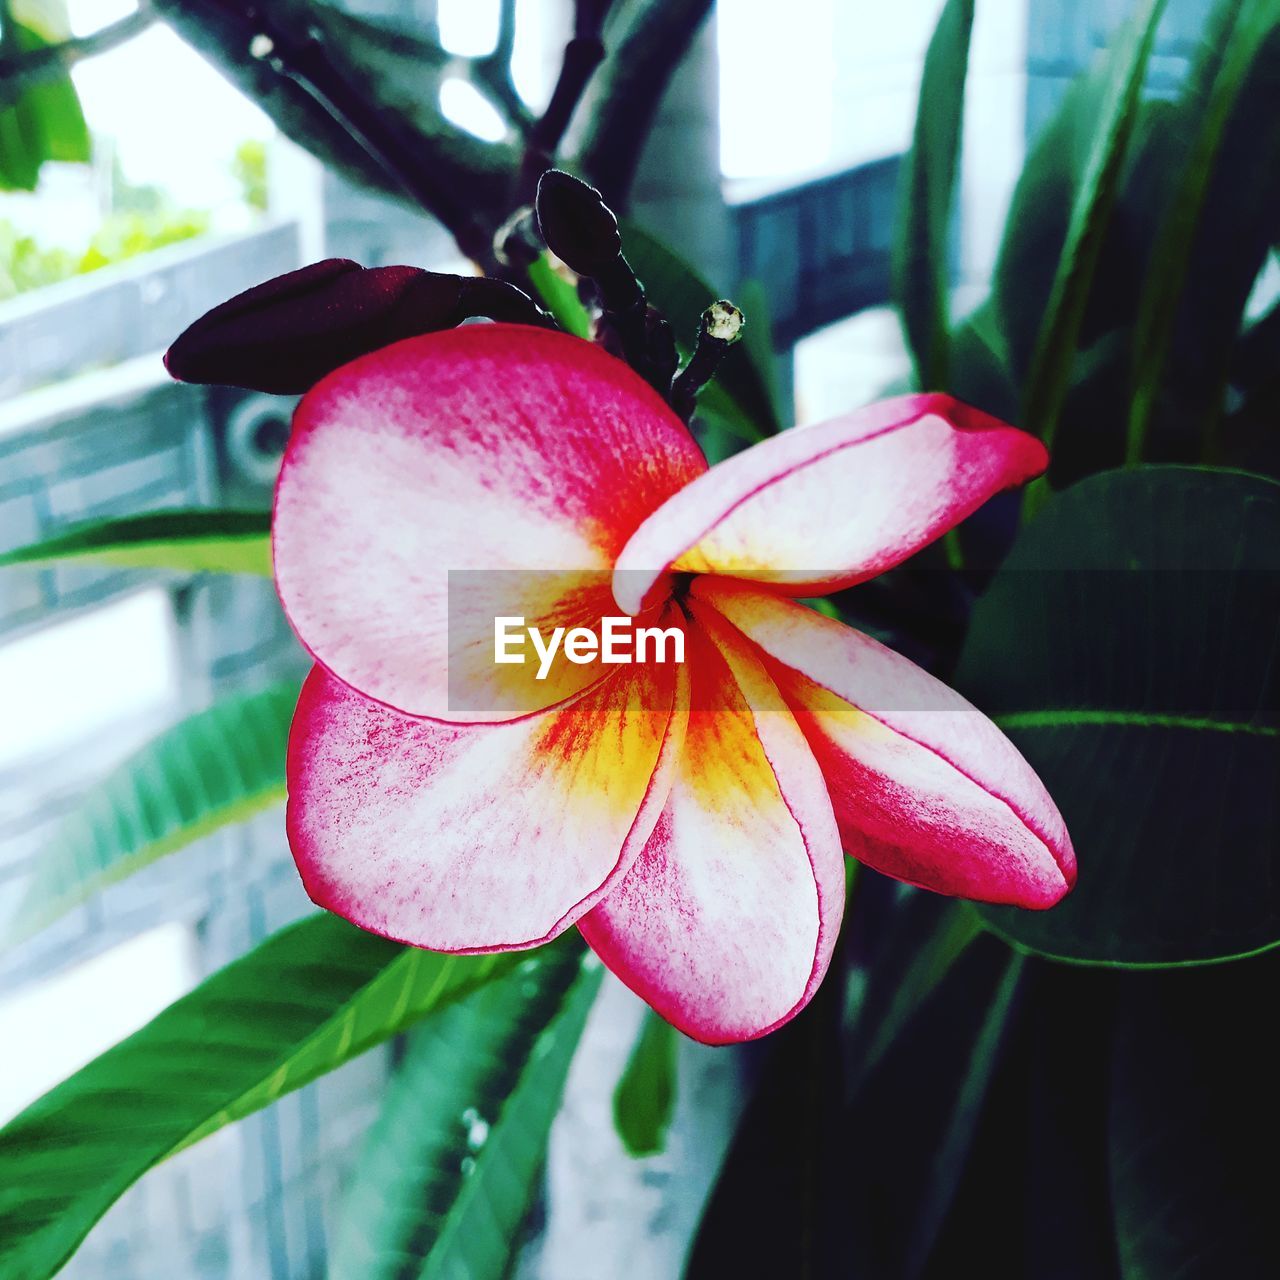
<point x="579" y="228"/>
<point x="286" y="334"/>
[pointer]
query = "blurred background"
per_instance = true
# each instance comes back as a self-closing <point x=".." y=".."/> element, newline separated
<point x="774" y="158"/>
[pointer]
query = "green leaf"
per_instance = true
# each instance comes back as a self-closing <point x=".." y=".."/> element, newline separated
<point x="645" y="1098"/>
<point x="1194" y="1120"/>
<point x="938" y="1073"/>
<point x="310" y="998"/>
<point x="757" y="339"/>
<point x="938" y="1187"/>
<point x="782" y="1164"/>
<point x="1251" y="23"/>
<point x="1236" y="226"/>
<point x="46" y="122"/>
<point x="560" y="298"/>
<point x="978" y="372"/>
<point x="1069" y="1016"/>
<point x="451" y="1166"/>
<point x="921" y="261"/>
<point x="192" y="541"/>
<point x="53" y="112"/>
<point x="1127" y="647"/>
<point x="1032" y="1198"/>
<point x="1035" y="229"/>
<point x="1090" y="214"/>
<point x="846" y="1185"/>
<point x="740" y="395"/>
<point x="926" y="937"/>
<point x="213" y="769"/>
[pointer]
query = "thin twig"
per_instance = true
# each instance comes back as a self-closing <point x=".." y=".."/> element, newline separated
<point x="19" y="71"/>
<point x="583" y="53"/>
<point x="626" y="94"/>
<point x="301" y="55"/>
<point x="492" y="73"/>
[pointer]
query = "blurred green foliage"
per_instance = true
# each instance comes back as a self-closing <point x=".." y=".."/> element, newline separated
<point x="27" y="264"/>
<point x="42" y="121"/>
<point x="249" y="167"/>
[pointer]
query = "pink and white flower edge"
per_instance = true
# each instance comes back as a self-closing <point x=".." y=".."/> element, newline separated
<point x="691" y="820"/>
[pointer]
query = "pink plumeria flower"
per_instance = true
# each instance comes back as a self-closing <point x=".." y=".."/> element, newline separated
<point x="690" y="819"/>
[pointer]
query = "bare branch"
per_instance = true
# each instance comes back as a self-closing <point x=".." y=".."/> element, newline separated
<point x="321" y="76"/>
<point x="653" y="39"/>
<point x="20" y="71"/>
<point x="582" y="55"/>
<point x="222" y="39"/>
<point x="492" y="73"/>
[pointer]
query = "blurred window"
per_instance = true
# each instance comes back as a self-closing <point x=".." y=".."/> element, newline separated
<point x="469" y="28"/>
<point x="53" y="1027"/>
<point x="777" y="82"/>
<point x="68" y="681"/>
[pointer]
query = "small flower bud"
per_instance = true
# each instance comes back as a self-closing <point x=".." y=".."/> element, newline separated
<point x="286" y="334"/>
<point x="722" y="321"/>
<point x="721" y="327"/>
<point x="579" y="228"/>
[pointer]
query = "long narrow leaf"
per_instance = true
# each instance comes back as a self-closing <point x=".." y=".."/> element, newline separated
<point x="1169" y="573"/>
<point x="451" y="1166"/>
<point x="644" y="1101"/>
<point x="925" y="940"/>
<point x="921" y="269"/>
<point x="1251" y="23"/>
<point x="192" y="541"/>
<point x="1050" y="371"/>
<point x="215" y="768"/>
<point x="310" y="998"/>
<point x="939" y="1188"/>
<point x="559" y="297"/>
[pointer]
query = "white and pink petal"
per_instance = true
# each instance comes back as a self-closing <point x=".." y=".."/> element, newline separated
<point x="444" y="480"/>
<point x="477" y="837"/>
<point x="925" y="787"/>
<point x="825" y="506"/>
<point x="726" y="922"/>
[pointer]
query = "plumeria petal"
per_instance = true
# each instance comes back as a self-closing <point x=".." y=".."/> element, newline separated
<point x="825" y="506"/>
<point x="477" y="837"/>
<point x="925" y="787"/>
<point x="510" y="462"/>
<point x="726" y="922"/>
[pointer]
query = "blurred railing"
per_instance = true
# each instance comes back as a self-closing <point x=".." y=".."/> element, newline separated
<point x="819" y="248"/>
<point x="132" y="309"/>
<point x="92" y="427"/>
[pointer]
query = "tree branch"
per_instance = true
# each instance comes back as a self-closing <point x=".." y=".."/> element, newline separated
<point x="582" y="55"/>
<point x="222" y="40"/>
<point x="653" y="38"/>
<point x="427" y="64"/>
<point x="492" y="73"/>
<point x="364" y="96"/>
<point x="20" y="71"/>
<point x="327" y="78"/>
